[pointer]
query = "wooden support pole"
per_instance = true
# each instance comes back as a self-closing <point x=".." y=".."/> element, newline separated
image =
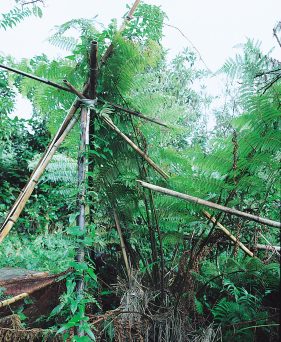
<point x="132" y="112"/>
<point x="23" y="198"/>
<point x="122" y="244"/>
<point x="211" y="204"/>
<point x="227" y="233"/>
<point x="129" y="16"/>
<point x="36" y="78"/>
<point x="135" y="147"/>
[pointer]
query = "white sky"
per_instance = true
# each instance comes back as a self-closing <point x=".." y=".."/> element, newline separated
<point x="214" y="27"/>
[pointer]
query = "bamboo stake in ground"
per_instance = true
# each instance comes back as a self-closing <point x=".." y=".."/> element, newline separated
<point x="122" y="244"/>
<point x="211" y="204"/>
<point x="227" y="232"/>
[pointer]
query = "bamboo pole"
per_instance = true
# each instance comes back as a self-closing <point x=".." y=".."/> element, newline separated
<point x="93" y="73"/>
<point x="26" y="192"/>
<point x="227" y="232"/>
<point x="109" y="123"/>
<point x="62" y="127"/>
<point x="129" y="16"/>
<point x="6" y="226"/>
<point x="132" y="112"/>
<point x="268" y="247"/>
<point x="13" y="300"/>
<point x="135" y="147"/>
<point x="12" y="218"/>
<point x="257" y="246"/>
<point x="211" y="204"/>
<point x="122" y="244"/>
<point x="36" y="78"/>
<point x="276" y="248"/>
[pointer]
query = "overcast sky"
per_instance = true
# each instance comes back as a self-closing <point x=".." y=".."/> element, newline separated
<point x="214" y="27"/>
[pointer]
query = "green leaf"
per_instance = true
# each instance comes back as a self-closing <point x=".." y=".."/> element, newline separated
<point x="75" y="231"/>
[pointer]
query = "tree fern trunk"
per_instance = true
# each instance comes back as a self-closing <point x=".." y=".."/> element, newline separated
<point x="81" y="220"/>
<point x="92" y="94"/>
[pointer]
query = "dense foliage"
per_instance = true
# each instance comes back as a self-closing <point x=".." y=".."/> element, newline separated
<point x="186" y="279"/>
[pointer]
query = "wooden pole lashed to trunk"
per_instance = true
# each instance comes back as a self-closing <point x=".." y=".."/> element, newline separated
<point x="209" y="204"/>
<point x="110" y="124"/>
<point x="65" y="127"/>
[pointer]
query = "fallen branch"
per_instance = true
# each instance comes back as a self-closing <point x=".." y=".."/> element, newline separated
<point x="197" y="200"/>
